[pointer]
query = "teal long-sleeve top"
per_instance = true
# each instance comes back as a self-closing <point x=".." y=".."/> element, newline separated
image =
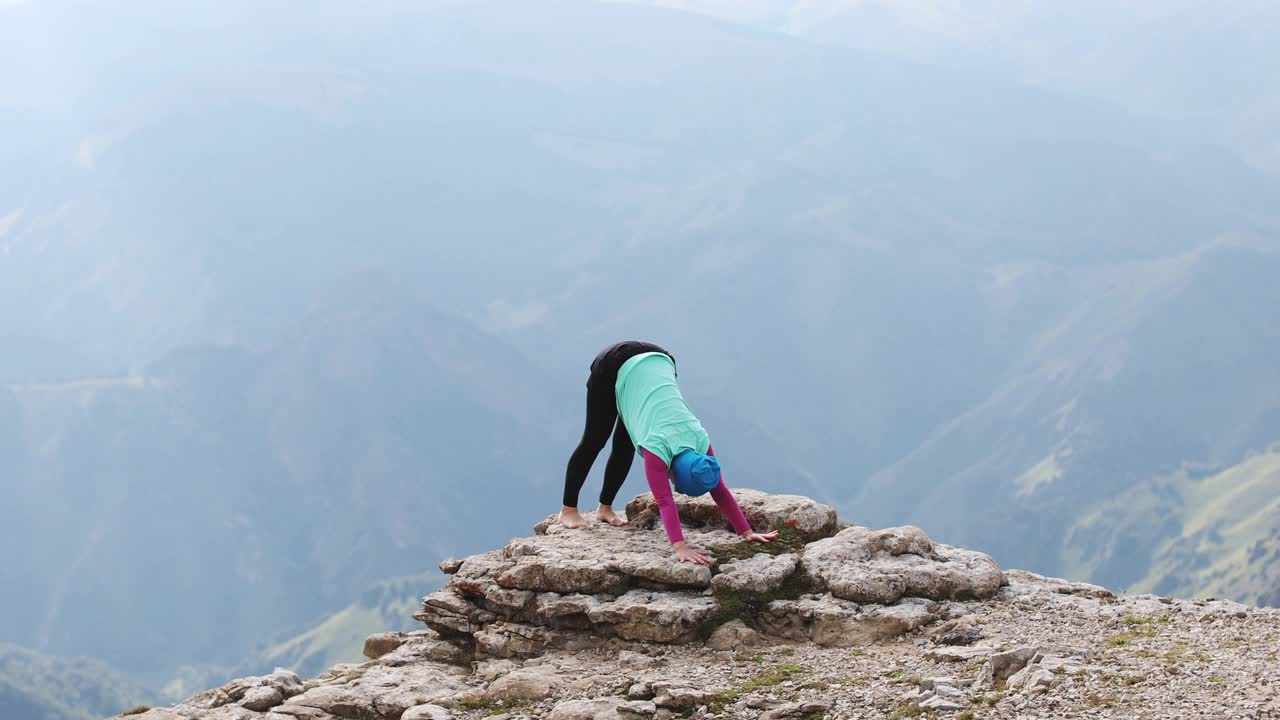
<point x="653" y="410"/>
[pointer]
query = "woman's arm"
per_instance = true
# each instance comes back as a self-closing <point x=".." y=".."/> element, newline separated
<point x="655" y="471"/>
<point x="728" y="504"/>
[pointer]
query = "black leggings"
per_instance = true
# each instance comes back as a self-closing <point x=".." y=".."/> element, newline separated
<point x="602" y="419"/>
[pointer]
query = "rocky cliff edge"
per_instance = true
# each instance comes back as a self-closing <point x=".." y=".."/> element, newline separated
<point x="830" y="621"/>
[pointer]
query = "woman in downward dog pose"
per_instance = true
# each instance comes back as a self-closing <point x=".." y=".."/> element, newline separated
<point x="632" y="393"/>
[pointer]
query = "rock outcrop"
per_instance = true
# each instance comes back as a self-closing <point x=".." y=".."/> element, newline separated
<point x="601" y="622"/>
<point x="565" y="589"/>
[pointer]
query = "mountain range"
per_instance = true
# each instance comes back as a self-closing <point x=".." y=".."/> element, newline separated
<point x="295" y="302"/>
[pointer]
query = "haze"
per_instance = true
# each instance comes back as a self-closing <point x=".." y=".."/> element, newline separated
<point x="297" y="300"/>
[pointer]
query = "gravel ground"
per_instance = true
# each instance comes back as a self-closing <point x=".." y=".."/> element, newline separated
<point x="1137" y="657"/>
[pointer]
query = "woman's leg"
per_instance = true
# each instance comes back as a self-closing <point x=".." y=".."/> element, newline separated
<point x="602" y="413"/>
<point x="615" y="473"/>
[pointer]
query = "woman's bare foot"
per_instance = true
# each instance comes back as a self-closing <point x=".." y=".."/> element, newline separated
<point x="606" y="514"/>
<point x="571" y="518"/>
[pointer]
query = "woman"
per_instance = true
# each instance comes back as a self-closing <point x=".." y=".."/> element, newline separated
<point x="632" y="393"/>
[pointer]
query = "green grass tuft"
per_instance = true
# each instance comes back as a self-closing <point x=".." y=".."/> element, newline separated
<point x="136" y="710"/>
<point x="1124" y="638"/>
<point x="764" y="679"/>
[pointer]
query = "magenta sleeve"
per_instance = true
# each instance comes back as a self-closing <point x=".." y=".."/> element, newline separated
<point x="727" y="504"/>
<point x="655" y="471"/>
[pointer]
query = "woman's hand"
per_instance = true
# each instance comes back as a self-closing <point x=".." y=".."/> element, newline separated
<point x="684" y="553"/>
<point x="759" y="537"/>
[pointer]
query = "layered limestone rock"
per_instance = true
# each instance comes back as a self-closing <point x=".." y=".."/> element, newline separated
<point x="585" y="588"/>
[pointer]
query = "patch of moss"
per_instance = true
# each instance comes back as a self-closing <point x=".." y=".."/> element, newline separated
<point x="1182" y="653"/>
<point x="745" y="606"/>
<point x="907" y="710"/>
<point x="1134" y="620"/>
<point x="789" y="540"/>
<point x="966" y="715"/>
<point x="1124" y="638"/>
<point x="136" y="710"/>
<point x="765" y="678"/>
<point x="817" y="685"/>
<point x="479" y="702"/>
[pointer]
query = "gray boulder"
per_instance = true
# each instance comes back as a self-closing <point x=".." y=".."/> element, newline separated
<point x="881" y="566"/>
<point x="379" y="644"/>
<point x="426" y="712"/>
<point x="733" y="635"/>
<point x="527" y="683"/>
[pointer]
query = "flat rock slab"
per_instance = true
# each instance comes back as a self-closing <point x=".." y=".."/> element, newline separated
<point x="757" y="574"/>
<point x="765" y="512"/>
<point x="654" y="616"/>
<point x="827" y="620"/>
<point x="629" y="552"/>
<point x="881" y="566"/>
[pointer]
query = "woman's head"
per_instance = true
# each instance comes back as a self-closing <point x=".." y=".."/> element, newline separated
<point x="695" y="474"/>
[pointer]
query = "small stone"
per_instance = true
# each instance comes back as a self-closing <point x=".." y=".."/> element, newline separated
<point x="1002" y="665"/>
<point x="959" y="654"/>
<point x="1029" y="678"/>
<point x="733" y="635"/>
<point x="637" y="709"/>
<point x="426" y="712"/>
<point x="375" y="646"/>
<point x="640" y="691"/>
<point x="679" y="698"/>
<point x="597" y="709"/>
<point x="796" y="709"/>
<point x="939" y="702"/>
<point x="527" y="683"/>
<point x="261" y="698"/>
<point x="960" y="631"/>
